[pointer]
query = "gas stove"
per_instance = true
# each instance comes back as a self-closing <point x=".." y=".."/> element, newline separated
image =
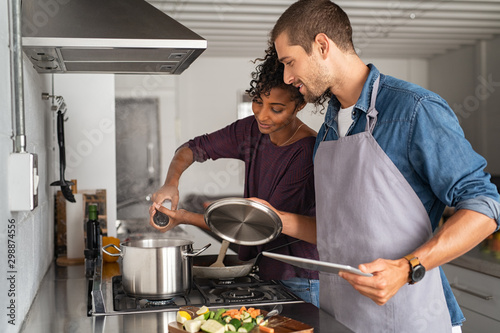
<point x="107" y="296"/>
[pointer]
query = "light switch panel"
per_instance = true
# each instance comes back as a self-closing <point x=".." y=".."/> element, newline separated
<point x="23" y="181"/>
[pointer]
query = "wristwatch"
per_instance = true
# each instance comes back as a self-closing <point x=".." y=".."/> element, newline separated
<point x="417" y="271"/>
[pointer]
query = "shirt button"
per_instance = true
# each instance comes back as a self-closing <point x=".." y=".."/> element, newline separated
<point x="353" y="113"/>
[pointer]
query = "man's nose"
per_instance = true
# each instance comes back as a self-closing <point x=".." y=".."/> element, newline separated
<point x="287" y="76"/>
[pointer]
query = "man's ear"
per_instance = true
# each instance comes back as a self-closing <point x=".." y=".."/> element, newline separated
<point x="322" y="42"/>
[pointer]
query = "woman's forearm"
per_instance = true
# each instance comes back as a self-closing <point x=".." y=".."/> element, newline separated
<point x="183" y="158"/>
<point x="299" y="226"/>
<point x="191" y="218"/>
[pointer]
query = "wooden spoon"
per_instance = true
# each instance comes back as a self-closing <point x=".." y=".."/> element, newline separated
<point x="222" y="253"/>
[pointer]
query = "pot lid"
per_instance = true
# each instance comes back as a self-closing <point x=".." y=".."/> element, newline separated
<point x="243" y="221"/>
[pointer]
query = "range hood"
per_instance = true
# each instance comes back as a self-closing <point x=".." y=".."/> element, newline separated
<point x="106" y="36"/>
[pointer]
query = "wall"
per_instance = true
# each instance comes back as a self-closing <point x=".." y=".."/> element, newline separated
<point x="163" y="88"/>
<point x="469" y="79"/>
<point x="90" y="141"/>
<point x="491" y="121"/>
<point x="31" y="246"/>
<point x="90" y="134"/>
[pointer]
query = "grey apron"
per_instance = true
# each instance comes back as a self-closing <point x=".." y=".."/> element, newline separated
<point x="365" y="210"/>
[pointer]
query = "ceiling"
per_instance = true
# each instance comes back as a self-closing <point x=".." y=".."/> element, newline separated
<point x="395" y="29"/>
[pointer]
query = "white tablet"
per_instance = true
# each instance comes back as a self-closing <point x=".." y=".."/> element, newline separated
<point x="314" y="265"/>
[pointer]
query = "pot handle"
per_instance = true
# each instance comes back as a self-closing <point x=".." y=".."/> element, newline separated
<point x="112" y="254"/>
<point x="198" y="252"/>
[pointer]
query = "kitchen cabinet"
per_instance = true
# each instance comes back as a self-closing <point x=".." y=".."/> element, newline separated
<point x="475" y="281"/>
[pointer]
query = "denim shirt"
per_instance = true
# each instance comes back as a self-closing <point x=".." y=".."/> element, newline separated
<point x="421" y="135"/>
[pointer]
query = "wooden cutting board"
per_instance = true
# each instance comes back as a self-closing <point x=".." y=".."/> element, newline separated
<point x="280" y="324"/>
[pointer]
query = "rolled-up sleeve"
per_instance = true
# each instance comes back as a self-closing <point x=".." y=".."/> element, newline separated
<point x="484" y="205"/>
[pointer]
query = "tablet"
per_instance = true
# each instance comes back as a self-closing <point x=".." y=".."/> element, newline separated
<point x="314" y="265"/>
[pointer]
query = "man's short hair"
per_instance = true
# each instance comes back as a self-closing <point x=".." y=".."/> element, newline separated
<point x="305" y="19"/>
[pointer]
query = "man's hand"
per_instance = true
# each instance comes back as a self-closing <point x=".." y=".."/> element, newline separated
<point x="388" y="277"/>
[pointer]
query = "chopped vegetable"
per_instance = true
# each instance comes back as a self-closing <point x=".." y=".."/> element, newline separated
<point x="236" y="323"/>
<point x="203" y="316"/>
<point x="192" y="326"/>
<point x="263" y="328"/>
<point x="202" y="310"/>
<point x="212" y="326"/>
<point x="219" y="313"/>
<point x="241" y="320"/>
<point x="230" y="328"/>
<point x="183" y="316"/>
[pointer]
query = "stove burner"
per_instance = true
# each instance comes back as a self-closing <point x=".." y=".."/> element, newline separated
<point x="225" y="282"/>
<point x="244" y="291"/>
<point x="159" y="302"/>
<point x="240" y="295"/>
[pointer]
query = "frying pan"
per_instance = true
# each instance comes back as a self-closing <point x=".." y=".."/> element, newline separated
<point x="233" y="267"/>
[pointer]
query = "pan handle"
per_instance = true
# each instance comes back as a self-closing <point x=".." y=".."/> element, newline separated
<point x="112" y="254"/>
<point x="197" y="252"/>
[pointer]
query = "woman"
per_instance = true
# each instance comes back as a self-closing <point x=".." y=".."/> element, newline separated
<point x="277" y="148"/>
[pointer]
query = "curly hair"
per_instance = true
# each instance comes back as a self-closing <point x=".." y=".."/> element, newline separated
<point x="268" y="75"/>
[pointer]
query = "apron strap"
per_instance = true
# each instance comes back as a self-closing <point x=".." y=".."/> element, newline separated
<point x="371" y="115"/>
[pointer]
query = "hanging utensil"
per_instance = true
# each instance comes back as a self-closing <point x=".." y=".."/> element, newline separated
<point x="63" y="183"/>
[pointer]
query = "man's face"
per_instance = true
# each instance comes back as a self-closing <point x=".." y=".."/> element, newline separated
<point x="304" y="71"/>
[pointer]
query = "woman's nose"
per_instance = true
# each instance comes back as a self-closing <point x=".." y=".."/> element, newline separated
<point x="263" y="113"/>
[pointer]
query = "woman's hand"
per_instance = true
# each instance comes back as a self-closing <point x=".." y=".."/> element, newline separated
<point x="167" y="192"/>
<point x="298" y="226"/>
<point x="175" y="217"/>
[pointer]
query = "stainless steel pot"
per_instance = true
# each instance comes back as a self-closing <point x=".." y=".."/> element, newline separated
<point x="156" y="268"/>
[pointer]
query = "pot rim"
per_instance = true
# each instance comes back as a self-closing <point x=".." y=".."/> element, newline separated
<point x="155" y="243"/>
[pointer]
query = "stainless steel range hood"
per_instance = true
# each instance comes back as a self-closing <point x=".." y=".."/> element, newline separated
<point x="106" y="36"/>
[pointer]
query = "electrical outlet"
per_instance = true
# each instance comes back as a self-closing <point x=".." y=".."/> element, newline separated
<point x="23" y="181"/>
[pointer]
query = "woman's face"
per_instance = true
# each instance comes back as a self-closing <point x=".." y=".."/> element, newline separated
<point x="274" y="112"/>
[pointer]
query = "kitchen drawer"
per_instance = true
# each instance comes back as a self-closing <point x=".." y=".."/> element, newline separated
<point x="475" y="291"/>
<point x="476" y="323"/>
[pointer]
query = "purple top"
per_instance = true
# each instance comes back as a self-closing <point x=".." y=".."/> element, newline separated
<point x="283" y="176"/>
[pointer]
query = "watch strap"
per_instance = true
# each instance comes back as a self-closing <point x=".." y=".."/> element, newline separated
<point x="414" y="262"/>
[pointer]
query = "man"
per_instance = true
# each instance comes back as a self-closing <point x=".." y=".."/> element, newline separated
<point x="383" y="178"/>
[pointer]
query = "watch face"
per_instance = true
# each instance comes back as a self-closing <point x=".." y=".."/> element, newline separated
<point x="418" y="273"/>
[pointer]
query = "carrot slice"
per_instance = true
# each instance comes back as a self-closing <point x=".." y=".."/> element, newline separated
<point x="266" y="329"/>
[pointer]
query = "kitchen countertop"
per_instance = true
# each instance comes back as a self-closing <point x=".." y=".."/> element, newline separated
<point x="480" y="261"/>
<point x="61" y="306"/>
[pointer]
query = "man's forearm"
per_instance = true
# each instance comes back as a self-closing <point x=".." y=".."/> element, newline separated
<point x="460" y="233"/>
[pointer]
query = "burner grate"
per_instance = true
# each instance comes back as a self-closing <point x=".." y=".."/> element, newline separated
<point x="157" y="303"/>
<point x="242" y="295"/>
<point x="241" y="291"/>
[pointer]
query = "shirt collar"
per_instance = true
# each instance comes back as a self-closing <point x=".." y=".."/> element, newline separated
<point x="363" y="102"/>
